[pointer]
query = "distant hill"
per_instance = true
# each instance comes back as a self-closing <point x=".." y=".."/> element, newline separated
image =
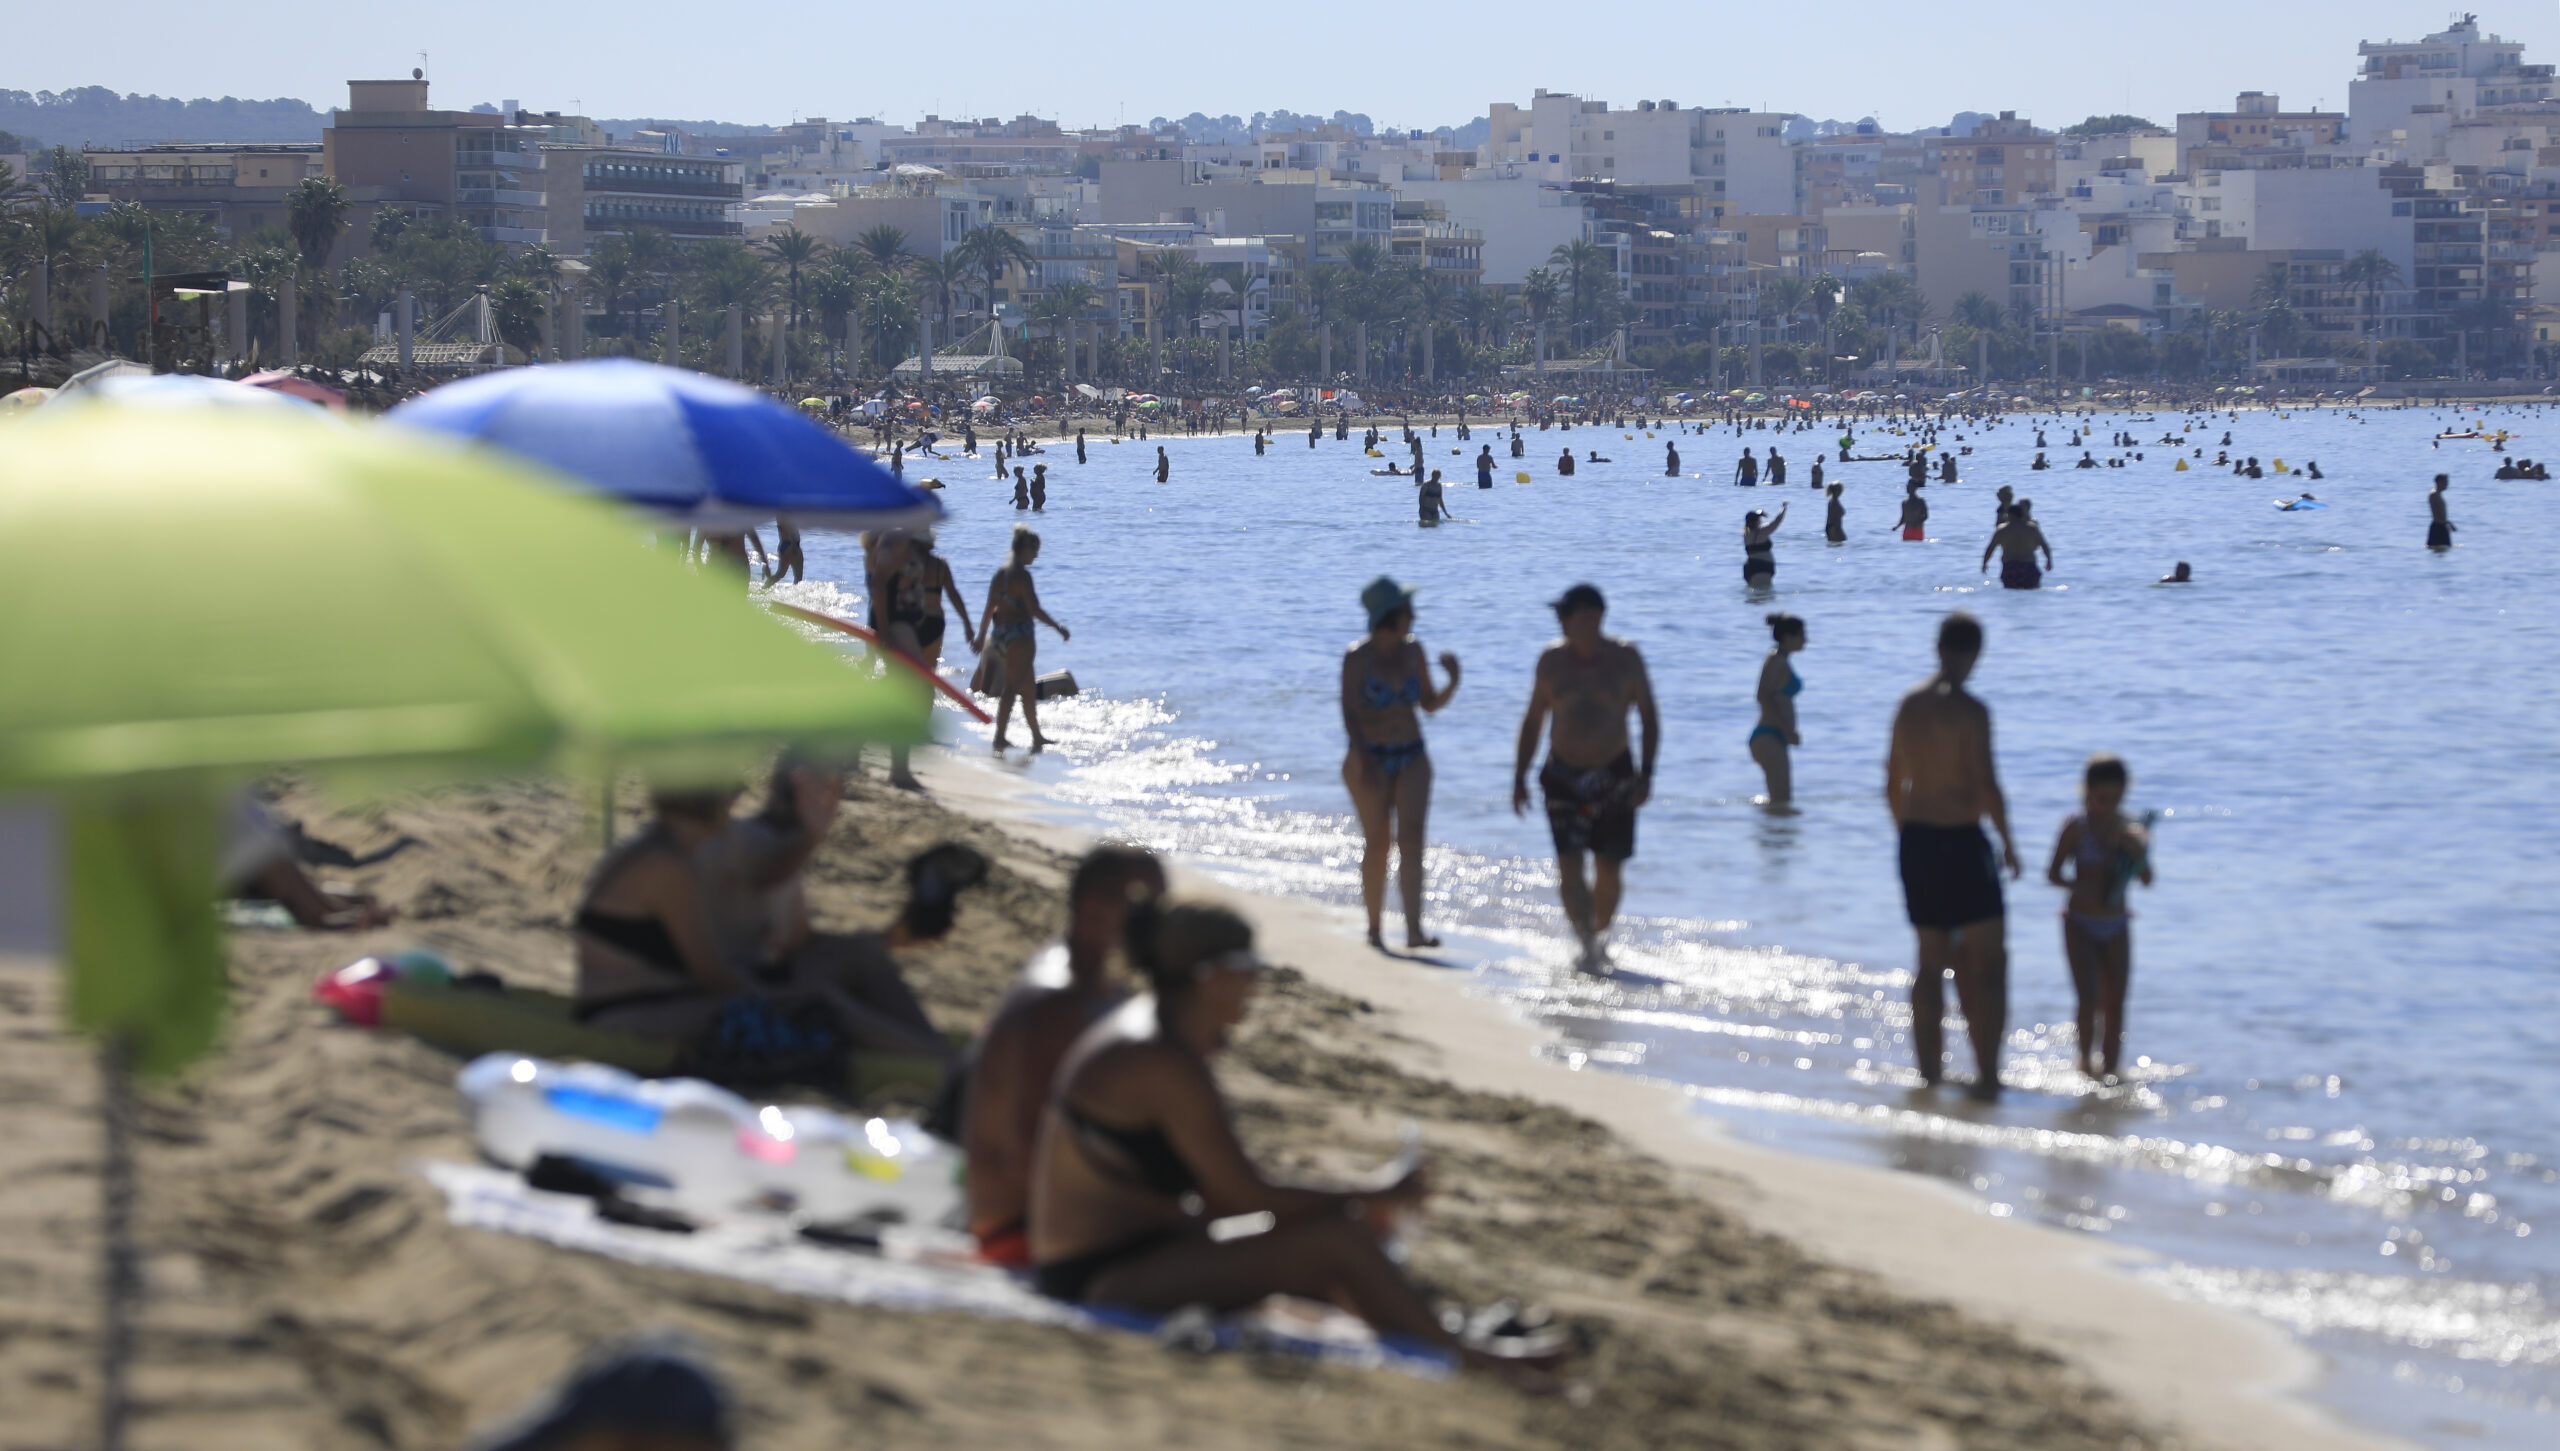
<point x="96" y="116"/>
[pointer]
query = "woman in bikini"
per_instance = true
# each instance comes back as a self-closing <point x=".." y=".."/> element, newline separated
<point x="1779" y="685"/>
<point x="1759" y="561"/>
<point x="650" y="934"/>
<point x="1013" y="606"/>
<point x="1138" y="1155"/>
<point x="2106" y="854"/>
<point x="1386" y="680"/>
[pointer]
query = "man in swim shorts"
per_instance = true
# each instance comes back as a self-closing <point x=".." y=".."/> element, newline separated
<point x="2018" y="539"/>
<point x="1939" y="782"/>
<point x="1586" y="683"/>
<point x="2439" y="525"/>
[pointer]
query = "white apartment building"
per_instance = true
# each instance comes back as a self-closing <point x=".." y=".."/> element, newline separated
<point x="2335" y="207"/>
<point x="1739" y="160"/>
<point x="2404" y="87"/>
<point x="1522" y="218"/>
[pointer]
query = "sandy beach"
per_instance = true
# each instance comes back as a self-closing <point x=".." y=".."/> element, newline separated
<point x="305" y="1289"/>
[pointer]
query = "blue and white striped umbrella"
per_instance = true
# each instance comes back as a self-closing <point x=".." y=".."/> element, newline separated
<point x="702" y="451"/>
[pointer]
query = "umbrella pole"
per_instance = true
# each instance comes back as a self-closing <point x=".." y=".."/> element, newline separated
<point x="121" y="1281"/>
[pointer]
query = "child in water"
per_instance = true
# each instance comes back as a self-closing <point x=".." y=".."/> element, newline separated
<point x="2106" y="854"/>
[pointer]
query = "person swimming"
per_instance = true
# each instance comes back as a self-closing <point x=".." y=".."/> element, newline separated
<point x="2180" y="575"/>
<point x="1915" y="514"/>
<point x="1835" y="523"/>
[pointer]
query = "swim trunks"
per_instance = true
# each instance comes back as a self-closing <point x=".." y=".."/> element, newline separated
<point x="1591" y="810"/>
<point x="1915" y="533"/>
<point x="2439" y="535"/>
<point x="1949" y="876"/>
<point x="2020" y="574"/>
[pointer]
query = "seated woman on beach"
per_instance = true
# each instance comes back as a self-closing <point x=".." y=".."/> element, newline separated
<point x="1138" y="1154"/>
<point x="651" y="960"/>
<point x="1059" y="994"/>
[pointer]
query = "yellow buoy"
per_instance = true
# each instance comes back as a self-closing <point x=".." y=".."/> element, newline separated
<point x="1520" y="478"/>
<point x="1373" y="453"/>
<point x="1631" y="437"/>
<point x="2279" y="465"/>
<point x="2182" y="466"/>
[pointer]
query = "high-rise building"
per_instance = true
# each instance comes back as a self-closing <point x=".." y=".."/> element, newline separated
<point x="389" y="149"/>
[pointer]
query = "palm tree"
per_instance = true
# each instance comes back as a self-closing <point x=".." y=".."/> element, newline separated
<point x="885" y="245"/>
<point x="993" y="250"/>
<point x="836" y="290"/>
<point x="1539" y="293"/>
<point x="609" y="268"/>
<point x="1581" y="261"/>
<point x="794" y="249"/>
<point x="315" y="211"/>
<point x="940" y="277"/>
<point x="1478" y="307"/>
<point x="2372" y="271"/>
<point x="1787" y="299"/>
<point x="1059" y="309"/>
<point x="1429" y="301"/>
<point x="1976" y="310"/>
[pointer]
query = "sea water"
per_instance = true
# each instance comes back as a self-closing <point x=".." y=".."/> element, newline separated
<point x="2344" y="1034"/>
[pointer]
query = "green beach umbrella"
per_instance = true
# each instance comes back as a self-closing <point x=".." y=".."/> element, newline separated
<point x="191" y="597"/>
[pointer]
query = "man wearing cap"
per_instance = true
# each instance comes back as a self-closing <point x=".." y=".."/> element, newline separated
<point x="1586" y="682"/>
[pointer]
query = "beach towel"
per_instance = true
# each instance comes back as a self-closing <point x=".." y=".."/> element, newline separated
<point x="911" y="1268"/>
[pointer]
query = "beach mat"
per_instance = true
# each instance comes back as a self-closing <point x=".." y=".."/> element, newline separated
<point x="538" y="1024"/>
<point x="913" y="1269"/>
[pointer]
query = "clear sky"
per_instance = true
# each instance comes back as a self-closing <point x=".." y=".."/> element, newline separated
<point x="1910" y="64"/>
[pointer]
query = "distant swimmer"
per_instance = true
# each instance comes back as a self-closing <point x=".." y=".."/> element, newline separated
<point x="1594" y="456"/>
<point x="2439" y="525"/>
<point x="1946" y="468"/>
<point x="2085" y="462"/>
<point x="1759" y="561"/>
<point x="2304" y="501"/>
<point x="1434" y="502"/>
<point x="1940" y="782"/>
<point x="1257" y="447"/>
<point x="1670" y="460"/>
<point x="1164" y="465"/>
<point x="1915" y="514"/>
<point x="1564" y="464"/>
<point x="1484" y="468"/>
<point x="1261" y="442"/>
<point x="2039" y="463"/>
<point x="1586" y="684"/>
<point x="1021" y="488"/>
<point x="2008" y="501"/>
<point x="2106" y="854"/>
<point x="1779" y="687"/>
<point x="1835" y="523"/>
<point x="2181" y="575"/>
<point x="1519" y="446"/>
<point x="1777" y="468"/>
<point x="1746" y="472"/>
<point x="1386" y="690"/>
<point x="1815" y="477"/>
<point x="2018" y="539"/>
<point x="1315" y="430"/>
<point x="1039" y="488"/>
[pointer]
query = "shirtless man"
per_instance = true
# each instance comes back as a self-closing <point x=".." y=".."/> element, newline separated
<point x="2439" y="526"/>
<point x="1592" y="784"/>
<point x="1061" y="992"/>
<point x="1915" y="513"/>
<point x="1939" y="783"/>
<point x="2018" y="539"/>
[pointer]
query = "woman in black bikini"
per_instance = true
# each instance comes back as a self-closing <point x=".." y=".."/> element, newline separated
<point x="1138" y="1127"/>
<point x="1013" y="604"/>
<point x="1386" y="678"/>
<point x="650" y="959"/>
<point x="1759" y="561"/>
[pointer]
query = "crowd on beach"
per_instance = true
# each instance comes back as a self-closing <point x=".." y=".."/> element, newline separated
<point x="1100" y="1150"/>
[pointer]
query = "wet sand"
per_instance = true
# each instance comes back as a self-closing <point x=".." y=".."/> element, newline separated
<point x="304" y="1289"/>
